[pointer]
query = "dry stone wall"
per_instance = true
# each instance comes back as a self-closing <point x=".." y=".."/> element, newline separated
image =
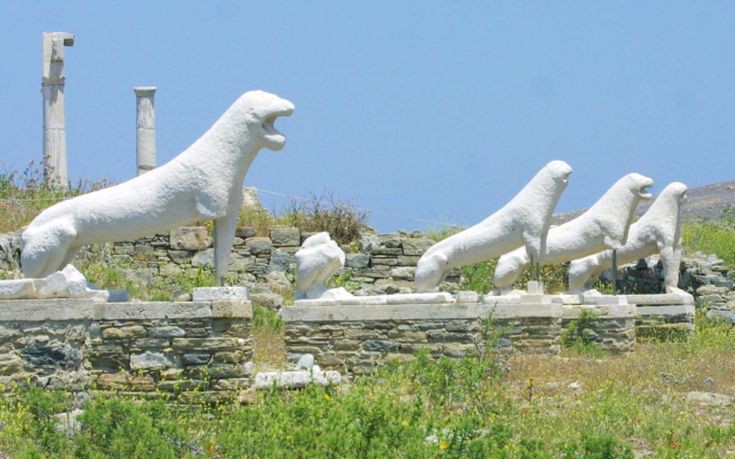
<point x="192" y="349"/>
<point x="357" y="339"/>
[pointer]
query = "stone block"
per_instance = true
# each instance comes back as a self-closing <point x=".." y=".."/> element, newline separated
<point x="143" y="252"/>
<point x="195" y="359"/>
<point x="208" y="344"/>
<point x="151" y="343"/>
<point x="259" y="245"/>
<point x="149" y="361"/>
<point x="383" y="261"/>
<point x="219" y="293"/>
<point x="203" y="259"/>
<point x="167" y="331"/>
<point x="226" y="370"/>
<point x="403" y="272"/>
<point x="405" y="260"/>
<point x="357" y="260"/>
<point x="240" y="309"/>
<point x="391" y="241"/>
<point x="229" y="357"/>
<point x="280" y="261"/>
<point x="133" y="331"/>
<point x="245" y="232"/>
<point x="416" y="246"/>
<point x="288" y="236"/>
<point x="190" y="238"/>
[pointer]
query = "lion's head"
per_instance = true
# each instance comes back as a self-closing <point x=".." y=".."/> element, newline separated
<point x="638" y="185"/>
<point x="677" y="190"/>
<point x="262" y="111"/>
<point x="559" y="171"/>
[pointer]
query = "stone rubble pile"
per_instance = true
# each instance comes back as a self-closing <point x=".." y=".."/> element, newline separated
<point x="705" y="276"/>
<point x="305" y="373"/>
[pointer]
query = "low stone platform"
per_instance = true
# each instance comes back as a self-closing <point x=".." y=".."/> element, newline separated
<point x="357" y="338"/>
<point x="356" y="335"/>
<point x="165" y="347"/>
<point x="667" y="316"/>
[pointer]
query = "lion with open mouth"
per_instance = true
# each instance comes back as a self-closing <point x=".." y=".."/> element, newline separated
<point x="202" y="183"/>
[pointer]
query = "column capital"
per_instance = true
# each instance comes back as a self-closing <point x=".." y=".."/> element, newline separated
<point x="144" y="91"/>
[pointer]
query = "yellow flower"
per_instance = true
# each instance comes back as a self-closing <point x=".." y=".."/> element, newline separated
<point x="326" y="397"/>
<point x="443" y="444"/>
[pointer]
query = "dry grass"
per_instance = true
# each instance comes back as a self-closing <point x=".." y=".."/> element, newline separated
<point x="269" y="352"/>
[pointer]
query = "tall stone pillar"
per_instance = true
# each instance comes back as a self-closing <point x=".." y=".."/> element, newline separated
<point x="54" y="121"/>
<point x="146" y="128"/>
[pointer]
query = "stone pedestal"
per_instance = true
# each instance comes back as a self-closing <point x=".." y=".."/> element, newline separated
<point x="220" y="294"/>
<point x="145" y="128"/>
<point x="666" y="317"/>
<point x="54" y="121"/>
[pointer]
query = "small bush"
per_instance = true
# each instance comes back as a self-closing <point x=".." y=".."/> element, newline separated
<point x="266" y="319"/>
<point x="323" y="212"/>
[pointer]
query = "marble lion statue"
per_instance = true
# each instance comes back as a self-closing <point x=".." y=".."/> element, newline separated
<point x="603" y="226"/>
<point x="202" y="183"/>
<point x="523" y="220"/>
<point x="657" y="231"/>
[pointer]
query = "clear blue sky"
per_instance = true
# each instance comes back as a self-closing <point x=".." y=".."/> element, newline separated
<point x="438" y="110"/>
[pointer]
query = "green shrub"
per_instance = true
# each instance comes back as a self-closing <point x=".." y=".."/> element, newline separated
<point x="716" y="237"/>
<point x="579" y="334"/>
<point x="266" y="319"/>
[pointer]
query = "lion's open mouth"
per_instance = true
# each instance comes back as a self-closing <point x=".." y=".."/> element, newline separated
<point x="273" y="135"/>
<point x="643" y="192"/>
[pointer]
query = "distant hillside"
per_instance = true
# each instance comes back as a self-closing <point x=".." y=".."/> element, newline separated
<point x="707" y="202"/>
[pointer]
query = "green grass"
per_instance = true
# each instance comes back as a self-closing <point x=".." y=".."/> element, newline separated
<point x="472" y="407"/>
<point x="716" y="237"/>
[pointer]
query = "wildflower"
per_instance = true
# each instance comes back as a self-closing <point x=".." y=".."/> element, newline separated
<point x="326" y="397"/>
<point x="443" y="444"/>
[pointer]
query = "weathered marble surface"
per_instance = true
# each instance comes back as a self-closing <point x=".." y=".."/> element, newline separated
<point x="657" y="231"/>
<point x="145" y="133"/>
<point x="297" y="378"/>
<point x="202" y="183"/>
<point x="316" y="261"/>
<point x="603" y="226"/>
<point x="54" y="117"/>
<point x="67" y="283"/>
<point x="524" y="220"/>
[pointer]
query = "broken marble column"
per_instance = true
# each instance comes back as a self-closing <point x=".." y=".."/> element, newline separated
<point x="316" y="261"/>
<point x="145" y="128"/>
<point x="54" y="121"/>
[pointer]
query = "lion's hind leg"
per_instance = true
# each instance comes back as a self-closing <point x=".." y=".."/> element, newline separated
<point x="430" y="271"/>
<point x="47" y="250"/>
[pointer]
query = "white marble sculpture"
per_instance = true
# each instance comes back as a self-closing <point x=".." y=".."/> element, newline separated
<point x="316" y="261"/>
<point x="524" y="220"/>
<point x="657" y="231"/>
<point x="603" y="226"/>
<point x="202" y="183"/>
<point x="66" y="283"/>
